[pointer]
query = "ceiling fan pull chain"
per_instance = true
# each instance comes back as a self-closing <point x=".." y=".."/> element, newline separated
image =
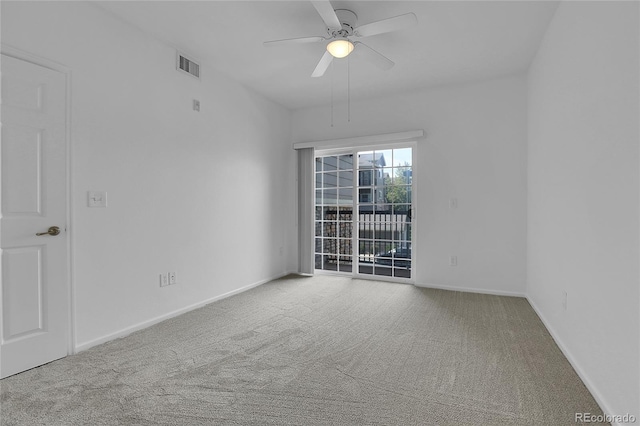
<point x="348" y="89"/>
<point x="332" y="73"/>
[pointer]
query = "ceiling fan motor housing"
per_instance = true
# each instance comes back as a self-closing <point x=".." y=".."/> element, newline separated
<point x="348" y="20"/>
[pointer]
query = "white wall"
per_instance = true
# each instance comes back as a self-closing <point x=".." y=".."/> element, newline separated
<point x="583" y="194"/>
<point x="475" y="151"/>
<point x="209" y="194"/>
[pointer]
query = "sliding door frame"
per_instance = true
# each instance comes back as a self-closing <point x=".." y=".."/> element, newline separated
<point x="353" y="150"/>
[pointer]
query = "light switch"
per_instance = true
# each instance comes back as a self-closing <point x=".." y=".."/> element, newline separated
<point x="97" y="198"/>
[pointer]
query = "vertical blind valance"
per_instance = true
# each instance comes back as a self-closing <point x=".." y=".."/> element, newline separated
<point x="361" y="140"/>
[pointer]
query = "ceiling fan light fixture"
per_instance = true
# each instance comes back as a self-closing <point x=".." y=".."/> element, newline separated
<point x="340" y="48"/>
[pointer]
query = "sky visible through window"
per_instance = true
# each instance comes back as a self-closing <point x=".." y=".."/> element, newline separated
<point x="393" y="157"/>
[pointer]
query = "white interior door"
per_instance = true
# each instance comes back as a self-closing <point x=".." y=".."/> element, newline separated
<point x="34" y="322"/>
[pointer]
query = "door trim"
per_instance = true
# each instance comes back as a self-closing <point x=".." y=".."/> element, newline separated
<point x="55" y="66"/>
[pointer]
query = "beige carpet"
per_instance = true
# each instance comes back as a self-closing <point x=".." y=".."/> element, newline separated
<point x="316" y="351"/>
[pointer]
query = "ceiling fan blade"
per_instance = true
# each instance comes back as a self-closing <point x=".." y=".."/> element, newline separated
<point x="298" y="40"/>
<point x="372" y="56"/>
<point x="322" y="66"/>
<point x="327" y="14"/>
<point x="387" y="25"/>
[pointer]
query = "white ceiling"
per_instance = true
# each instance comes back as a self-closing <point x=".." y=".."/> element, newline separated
<point x="454" y="42"/>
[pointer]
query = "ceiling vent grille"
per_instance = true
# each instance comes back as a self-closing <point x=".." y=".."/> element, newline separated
<point x="187" y="65"/>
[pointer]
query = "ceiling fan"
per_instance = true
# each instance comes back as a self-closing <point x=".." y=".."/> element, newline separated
<point x="342" y="33"/>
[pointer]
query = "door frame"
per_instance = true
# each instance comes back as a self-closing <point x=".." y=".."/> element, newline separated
<point x="70" y="285"/>
<point x="413" y="144"/>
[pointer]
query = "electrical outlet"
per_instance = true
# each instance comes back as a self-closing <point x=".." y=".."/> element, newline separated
<point x="453" y="260"/>
<point x="164" y="280"/>
<point x="564" y="300"/>
<point x="453" y="203"/>
<point x="172" y="278"/>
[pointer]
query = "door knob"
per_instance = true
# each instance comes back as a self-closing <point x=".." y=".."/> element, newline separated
<point x="54" y="230"/>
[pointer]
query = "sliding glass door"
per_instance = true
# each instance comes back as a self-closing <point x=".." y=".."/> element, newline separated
<point x="363" y="212"/>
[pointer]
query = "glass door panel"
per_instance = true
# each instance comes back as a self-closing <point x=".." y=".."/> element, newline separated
<point x="384" y="212"/>
<point x="334" y="213"/>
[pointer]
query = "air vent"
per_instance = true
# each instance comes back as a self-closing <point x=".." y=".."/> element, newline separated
<point x="189" y="66"/>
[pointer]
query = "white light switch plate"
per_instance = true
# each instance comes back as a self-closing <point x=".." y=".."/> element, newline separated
<point x="97" y="198"/>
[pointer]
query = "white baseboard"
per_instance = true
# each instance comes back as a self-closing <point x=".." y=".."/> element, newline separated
<point x="126" y="331"/>
<point x="473" y="290"/>
<point x="576" y="366"/>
